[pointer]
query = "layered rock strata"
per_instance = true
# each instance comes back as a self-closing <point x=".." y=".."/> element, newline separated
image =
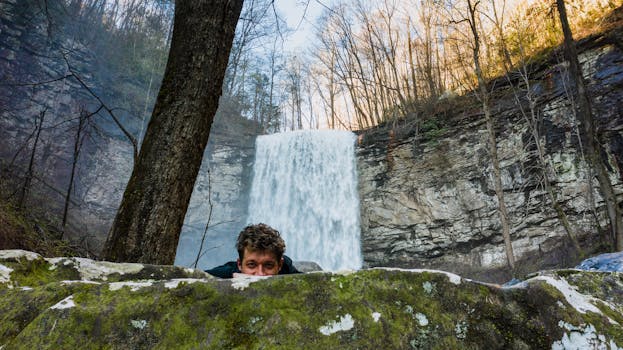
<point x="428" y="199"/>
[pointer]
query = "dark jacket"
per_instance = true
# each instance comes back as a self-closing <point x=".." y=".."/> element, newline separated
<point x="227" y="270"/>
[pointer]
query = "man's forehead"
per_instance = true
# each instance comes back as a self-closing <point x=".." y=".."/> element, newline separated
<point x="259" y="254"/>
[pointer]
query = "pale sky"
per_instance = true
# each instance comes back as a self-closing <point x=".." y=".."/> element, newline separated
<point x="294" y="11"/>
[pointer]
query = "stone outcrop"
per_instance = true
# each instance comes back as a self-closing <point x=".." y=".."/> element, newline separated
<point x="428" y="200"/>
<point x="69" y="303"/>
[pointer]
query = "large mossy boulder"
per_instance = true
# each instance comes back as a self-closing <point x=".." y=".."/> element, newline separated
<point x="74" y="303"/>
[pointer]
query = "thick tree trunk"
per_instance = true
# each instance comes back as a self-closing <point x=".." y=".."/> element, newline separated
<point x="585" y="118"/>
<point x="148" y="223"/>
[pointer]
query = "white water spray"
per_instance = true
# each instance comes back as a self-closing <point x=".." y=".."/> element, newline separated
<point x="305" y="186"/>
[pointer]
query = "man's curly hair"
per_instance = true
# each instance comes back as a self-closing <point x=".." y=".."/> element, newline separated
<point x="260" y="237"/>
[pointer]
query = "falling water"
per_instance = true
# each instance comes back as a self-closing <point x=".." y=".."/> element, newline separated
<point x="305" y="186"/>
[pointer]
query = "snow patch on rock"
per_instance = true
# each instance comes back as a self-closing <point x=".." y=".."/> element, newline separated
<point x="172" y="284"/>
<point x="134" y="285"/>
<point x="90" y="269"/>
<point x="582" y="303"/>
<point x="582" y="337"/>
<point x="5" y="273"/>
<point x="422" y="319"/>
<point x="12" y="254"/>
<point x="66" y="303"/>
<point x="345" y="323"/>
<point x="242" y="281"/>
<point x="68" y="282"/>
<point x="55" y="262"/>
<point x="138" y="324"/>
<point x="455" y="279"/>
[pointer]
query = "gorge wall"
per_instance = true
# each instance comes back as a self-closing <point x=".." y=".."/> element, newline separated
<point x="429" y="200"/>
<point x="221" y="195"/>
<point x="45" y="58"/>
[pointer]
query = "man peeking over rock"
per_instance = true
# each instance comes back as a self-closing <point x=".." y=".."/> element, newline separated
<point x="260" y="253"/>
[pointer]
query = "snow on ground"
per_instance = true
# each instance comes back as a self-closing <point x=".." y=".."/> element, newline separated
<point x="582" y="303"/>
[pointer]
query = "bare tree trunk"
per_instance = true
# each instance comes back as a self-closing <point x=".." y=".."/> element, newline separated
<point x="413" y="92"/>
<point x="499" y="22"/>
<point x="31" y="163"/>
<point x="391" y="57"/>
<point x="200" y="251"/>
<point x="332" y="90"/>
<point x="77" y="145"/>
<point x="358" y="69"/>
<point x="592" y="146"/>
<point x="148" y="223"/>
<point x="271" y="92"/>
<point x="497" y="177"/>
<point x="533" y="121"/>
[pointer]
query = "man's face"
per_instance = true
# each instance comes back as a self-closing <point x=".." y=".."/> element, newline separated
<point x="259" y="263"/>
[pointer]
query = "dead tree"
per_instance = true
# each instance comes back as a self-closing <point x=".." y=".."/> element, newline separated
<point x="484" y="97"/>
<point x="200" y="251"/>
<point x="533" y="119"/>
<point x="79" y="138"/>
<point x="585" y="118"/>
<point x="31" y="163"/>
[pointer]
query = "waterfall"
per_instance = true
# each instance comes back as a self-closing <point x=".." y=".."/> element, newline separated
<point x="305" y="186"/>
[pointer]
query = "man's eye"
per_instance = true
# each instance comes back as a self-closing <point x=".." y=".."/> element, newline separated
<point x="269" y="266"/>
<point x="251" y="265"/>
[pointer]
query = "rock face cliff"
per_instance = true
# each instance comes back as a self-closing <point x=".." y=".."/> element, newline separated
<point x="36" y="100"/>
<point x="43" y="60"/>
<point x="428" y="200"/>
<point x="221" y="195"/>
<point x="70" y="303"/>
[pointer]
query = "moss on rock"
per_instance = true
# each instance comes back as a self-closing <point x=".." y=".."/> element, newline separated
<point x="377" y="308"/>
